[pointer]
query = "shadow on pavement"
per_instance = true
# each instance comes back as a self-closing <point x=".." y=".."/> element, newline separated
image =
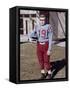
<point x="57" y="66"/>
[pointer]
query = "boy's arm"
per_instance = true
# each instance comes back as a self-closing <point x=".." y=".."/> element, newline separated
<point x="33" y="35"/>
<point x="50" y="33"/>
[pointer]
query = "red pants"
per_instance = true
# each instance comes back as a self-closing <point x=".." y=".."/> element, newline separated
<point x="42" y="56"/>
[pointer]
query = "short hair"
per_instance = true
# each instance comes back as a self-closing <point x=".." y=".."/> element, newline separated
<point x="42" y="16"/>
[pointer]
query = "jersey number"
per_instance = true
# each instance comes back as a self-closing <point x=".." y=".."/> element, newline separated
<point x="43" y="33"/>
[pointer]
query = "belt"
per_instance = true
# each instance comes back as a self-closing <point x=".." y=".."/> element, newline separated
<point x="42" y="43"/>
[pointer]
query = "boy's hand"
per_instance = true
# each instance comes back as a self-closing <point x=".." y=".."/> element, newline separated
<point x="48" y="52"/>
<point x="30" y="40"/>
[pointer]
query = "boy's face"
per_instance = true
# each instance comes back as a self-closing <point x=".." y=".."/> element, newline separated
<point x="42" y="21"/>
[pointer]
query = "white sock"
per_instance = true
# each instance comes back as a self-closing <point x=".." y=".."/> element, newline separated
<point x="49" y="72"/>
<point x="42" y="71"/>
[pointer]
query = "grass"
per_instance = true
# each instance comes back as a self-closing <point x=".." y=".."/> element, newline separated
<point x="29" y="65"/>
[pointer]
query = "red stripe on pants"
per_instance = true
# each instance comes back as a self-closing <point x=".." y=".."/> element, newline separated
<point x="43" y="58"/>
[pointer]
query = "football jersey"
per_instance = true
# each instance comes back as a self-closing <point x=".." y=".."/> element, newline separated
<point x="43" y="33"/>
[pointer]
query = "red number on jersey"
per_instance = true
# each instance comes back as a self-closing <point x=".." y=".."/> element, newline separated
<point x="43" y="33"/>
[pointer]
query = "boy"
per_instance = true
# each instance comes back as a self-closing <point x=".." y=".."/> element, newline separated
<point x="43" y="34"/>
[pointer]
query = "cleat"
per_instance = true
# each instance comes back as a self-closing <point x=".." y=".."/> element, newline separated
<point x="49" y="76"/>
<point x="43" y="76"/>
